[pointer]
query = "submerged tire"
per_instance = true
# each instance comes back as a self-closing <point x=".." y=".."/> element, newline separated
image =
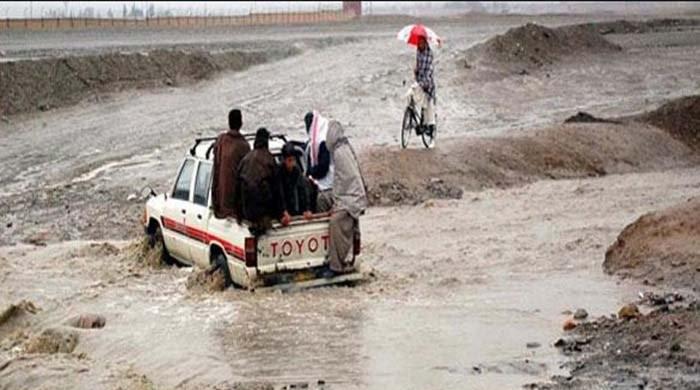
<point x="222" y="264"/>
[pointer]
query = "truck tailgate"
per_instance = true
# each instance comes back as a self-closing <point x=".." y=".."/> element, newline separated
<point x="302" y="244"/>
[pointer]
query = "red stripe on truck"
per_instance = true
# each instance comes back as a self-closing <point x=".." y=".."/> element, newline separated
<point x="202" y="236"/>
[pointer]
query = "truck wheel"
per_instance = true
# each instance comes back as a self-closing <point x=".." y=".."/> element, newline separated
<point x="222" y="264"/>
<point x="157" y="243"/>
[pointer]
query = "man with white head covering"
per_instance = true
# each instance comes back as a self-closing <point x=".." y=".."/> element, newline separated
<point x="349" y="197"/>
<point x="319" y="164"/>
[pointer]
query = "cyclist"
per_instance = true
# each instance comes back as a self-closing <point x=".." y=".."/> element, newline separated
<point x="423" y="91"/>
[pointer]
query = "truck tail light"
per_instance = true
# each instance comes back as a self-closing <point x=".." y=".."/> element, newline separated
<point x="251" y="252"/>
<point x="144" y="217"/>
<point x="356" y="245"/>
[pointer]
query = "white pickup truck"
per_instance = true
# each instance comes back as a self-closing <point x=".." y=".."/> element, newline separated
<point x="183" y="222"/>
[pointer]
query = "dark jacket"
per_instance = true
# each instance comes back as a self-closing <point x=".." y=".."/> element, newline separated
<point x="229" y="150"/>
<point x="296" y="197"/>
<point x="258" y="196"/>
<point x="320" y="170"/>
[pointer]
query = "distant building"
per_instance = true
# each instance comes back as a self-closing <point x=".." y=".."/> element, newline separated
<point x="354" y="7"/>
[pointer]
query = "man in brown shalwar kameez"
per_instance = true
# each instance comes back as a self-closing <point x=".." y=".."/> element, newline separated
<point x="258" y="196"/>
<point x="350" y="201"/>
<point x="229" y="150"/>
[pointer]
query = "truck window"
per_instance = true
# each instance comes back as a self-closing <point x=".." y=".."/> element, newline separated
<point x="201" y="184"/>
<point x="182" y="186"/>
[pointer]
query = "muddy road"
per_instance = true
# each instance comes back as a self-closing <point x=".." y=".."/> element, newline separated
<point x="461" y="285"/>
<point x="107" y="150"/>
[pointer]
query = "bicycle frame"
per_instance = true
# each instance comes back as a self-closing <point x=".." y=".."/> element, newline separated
<point x="417" y="118"/>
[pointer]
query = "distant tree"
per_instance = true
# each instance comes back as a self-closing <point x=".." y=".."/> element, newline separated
<point x="136" y="12"/>
<point x="124" y="12"/>
<point x="110" y="14"/>
<point x="151" y="11"/>
<point x="88" y="12"/>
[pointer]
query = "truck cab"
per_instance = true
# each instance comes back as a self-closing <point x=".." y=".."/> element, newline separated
<point x="184" y="220"/>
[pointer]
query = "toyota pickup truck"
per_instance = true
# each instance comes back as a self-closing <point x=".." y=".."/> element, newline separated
<point x="182" y="222"/>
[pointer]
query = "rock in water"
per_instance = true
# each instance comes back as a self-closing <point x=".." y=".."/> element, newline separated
<point x="628" y="312"/>
<point x="88" y="321"/>
<point x="569" y="324"/>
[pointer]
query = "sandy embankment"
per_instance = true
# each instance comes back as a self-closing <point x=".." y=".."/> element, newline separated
<point x="659" y="347"/>
<point x="661" y="248"/>
<point x="658" y="140"/>
<point x="46" y="83"/>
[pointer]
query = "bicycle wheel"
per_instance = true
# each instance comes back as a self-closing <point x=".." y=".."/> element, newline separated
<point x="408" y="124"/>
<point x="429" y="139"/>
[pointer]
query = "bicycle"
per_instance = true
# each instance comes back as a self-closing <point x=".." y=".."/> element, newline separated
<point x="414" y="121"/>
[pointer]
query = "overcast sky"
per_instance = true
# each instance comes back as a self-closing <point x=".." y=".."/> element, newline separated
<point x="21" y="9"/>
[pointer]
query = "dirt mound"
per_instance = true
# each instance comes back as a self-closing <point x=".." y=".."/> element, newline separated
<point x="16" y="310"/>
<point x="53" y="341"/>
<point x="531" y="47"/>
<point x="661" y="247"/>
<point x="14" y="319"/>
<point x="566" y="151"/>
<point x="659" y="351"/>
<point x="642" y="27"/>
<point x="47" y="83"/>
<point x="584" y="117"/>
<point x="680" y="117"/>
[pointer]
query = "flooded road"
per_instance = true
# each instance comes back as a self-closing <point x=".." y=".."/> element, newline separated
<point x="459" y="291"/>
<point x="122" y="142"/>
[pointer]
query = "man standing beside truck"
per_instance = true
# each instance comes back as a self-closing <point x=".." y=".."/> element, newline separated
<point x="229" y="150"/>
<point x="349" y="201"/>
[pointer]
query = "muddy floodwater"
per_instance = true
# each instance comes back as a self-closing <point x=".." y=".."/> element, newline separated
<point x="460" y="290"/>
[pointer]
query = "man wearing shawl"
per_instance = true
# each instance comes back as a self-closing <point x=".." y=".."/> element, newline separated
<point x="319" y="165"/>
<point x="258" y="198"/>
<point x="350" y="200"/>
<point x="229" y="150"/>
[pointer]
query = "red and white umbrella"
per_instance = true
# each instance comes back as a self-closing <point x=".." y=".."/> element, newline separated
<point x="412" y="32"/>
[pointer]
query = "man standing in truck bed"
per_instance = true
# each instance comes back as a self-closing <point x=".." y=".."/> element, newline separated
<point x="319" y="164"/>
<point x="229" y="150"/>
<point x="258" y="197"/>
<point x="350" y="201"/>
